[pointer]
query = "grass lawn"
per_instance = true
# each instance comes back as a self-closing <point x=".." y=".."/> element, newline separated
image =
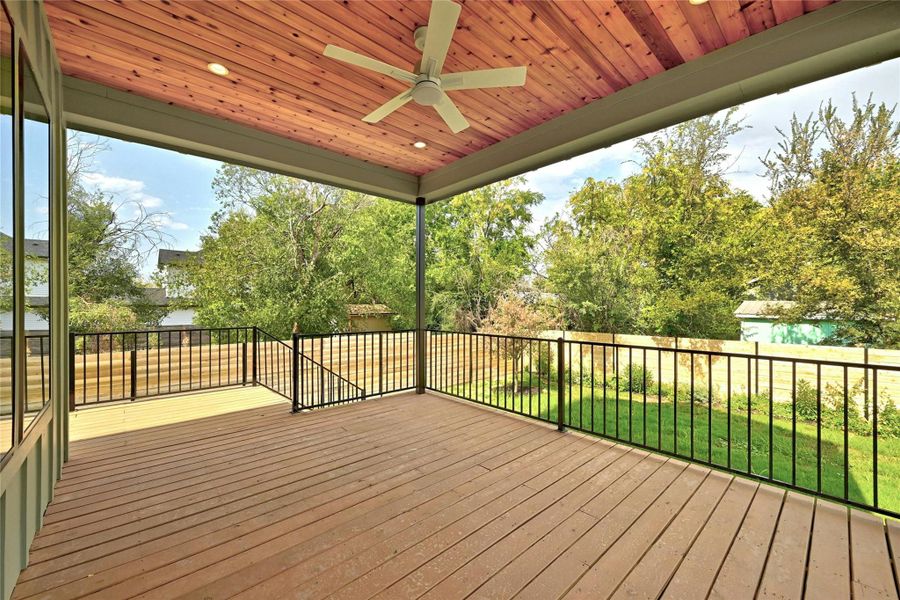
<point x="711" y="433"/>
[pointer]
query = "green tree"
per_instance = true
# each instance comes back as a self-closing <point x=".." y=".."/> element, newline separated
<point x="107" y="241"/>
<point x="667" y="252"/>
<point x="698" y="234"/>
<point x="269" y="257"/>
<point x="833" y="234"/>
<point x="377" y="257"/>
<point x="592" y="269"/>
<point x="478" y="247"/>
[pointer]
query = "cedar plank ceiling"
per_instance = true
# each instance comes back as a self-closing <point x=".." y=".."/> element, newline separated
<point x="576" y="52"/>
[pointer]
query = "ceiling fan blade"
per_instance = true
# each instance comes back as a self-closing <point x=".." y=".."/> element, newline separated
<point x="451" y="115"/>
<point x="354" y="58"/>
<point x="441" y="25"/>
<point x="388" y="107"/>
<point x="488" y="78"/>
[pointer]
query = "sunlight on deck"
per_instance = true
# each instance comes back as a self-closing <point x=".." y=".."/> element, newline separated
<point x="95" y="421"/>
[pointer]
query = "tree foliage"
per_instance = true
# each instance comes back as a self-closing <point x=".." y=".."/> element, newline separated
<point x="377" y="256"/>
<point x="478" y="247"/>
<point x="282" y="251"/>
<point x="833" y="232"/>
<point x="668" y="251"/>
<point x="107" y="239"/>
<point x="671" y="250"/>
<point x="269" y="257"/>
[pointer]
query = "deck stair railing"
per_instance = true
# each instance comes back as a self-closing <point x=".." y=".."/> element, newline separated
<point x="347" y="367"/>
<point x="273" y="363"/>
<point x="113" y="366"/>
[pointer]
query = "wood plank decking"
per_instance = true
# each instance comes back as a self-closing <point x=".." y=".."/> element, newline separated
<point x="421" y="496"/>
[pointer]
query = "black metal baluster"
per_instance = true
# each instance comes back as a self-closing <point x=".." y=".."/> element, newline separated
<point x="709" y="401"/>
<point x="630" y="395"/>
<point x="604" y="389"/>
<point x="846" y="439"/>
<point x="659" y="400"/>
<point x="568" y="346"/>
<point x="728" y="410"/>
<point x="875" y="438"/>
<point x="749" y="420"/>
<point x="691" y="401"/>
<point x="819" y="427"/>
<point x="771" y="424"/>
<point x="616" y="367"/>
<point x="580" y="386"/>
<point x="675" y="401"/>
<point x="644" y="393"/>
<point x="794" y="422"/>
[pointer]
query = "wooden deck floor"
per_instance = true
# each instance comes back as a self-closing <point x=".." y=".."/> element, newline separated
<point x="421" y="496"/>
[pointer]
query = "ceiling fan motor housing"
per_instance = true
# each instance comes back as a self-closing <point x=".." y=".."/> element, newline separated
<point x="427" y="83"/>
<point x="427" y="92"/>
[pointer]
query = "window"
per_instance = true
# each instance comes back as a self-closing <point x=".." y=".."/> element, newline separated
<point x="36" y="164"/>
<point x="7" y="420"/>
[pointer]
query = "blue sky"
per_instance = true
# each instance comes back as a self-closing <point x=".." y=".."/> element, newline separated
<point x="179" y="186"/>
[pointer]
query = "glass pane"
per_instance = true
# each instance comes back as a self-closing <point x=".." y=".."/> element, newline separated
<point x="6" y="232"/>
<point x="36" y="191"/>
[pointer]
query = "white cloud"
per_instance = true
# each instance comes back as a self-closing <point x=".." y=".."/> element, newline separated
<point x="130" y="190"/>
<point x="761" y="118"/>
<point x="165" y="221"/>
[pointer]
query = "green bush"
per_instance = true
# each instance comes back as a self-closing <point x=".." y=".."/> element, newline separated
<point x="889" y="419"/>
<point x="806" y="401"/>
<point x="632" y="380"/>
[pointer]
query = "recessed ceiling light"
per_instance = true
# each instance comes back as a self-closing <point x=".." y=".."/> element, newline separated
<point x="698" y="2"/>
<point x="217" y="69"/>
<point x="420" y="145"/>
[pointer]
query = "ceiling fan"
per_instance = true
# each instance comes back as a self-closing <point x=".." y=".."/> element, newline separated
<point x="428" y="86"/>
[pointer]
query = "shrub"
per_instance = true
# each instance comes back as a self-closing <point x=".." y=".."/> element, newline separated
<point x="806" y="401"/>
<point x="633" y="380"/>
<point x="889" y="419"/>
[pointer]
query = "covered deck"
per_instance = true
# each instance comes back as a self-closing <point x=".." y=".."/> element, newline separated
<point x="226" y="494"/>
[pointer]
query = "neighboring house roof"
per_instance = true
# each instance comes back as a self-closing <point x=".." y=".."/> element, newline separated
<point x="173" y="257"/>
<point x="363" y="310"/>
<point x="34" y="248"/>
<point x="769" y="309"/>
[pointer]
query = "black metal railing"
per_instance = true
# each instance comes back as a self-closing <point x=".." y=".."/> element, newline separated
<point x="826" y="427"/>
<point x="516" y="374"/>
<point x="273" y="366"/>
<point x="346" y="367"/>
<point x="318" y="386"/>
<point x="310" y="370"/>
<point x="126" y="365"/>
